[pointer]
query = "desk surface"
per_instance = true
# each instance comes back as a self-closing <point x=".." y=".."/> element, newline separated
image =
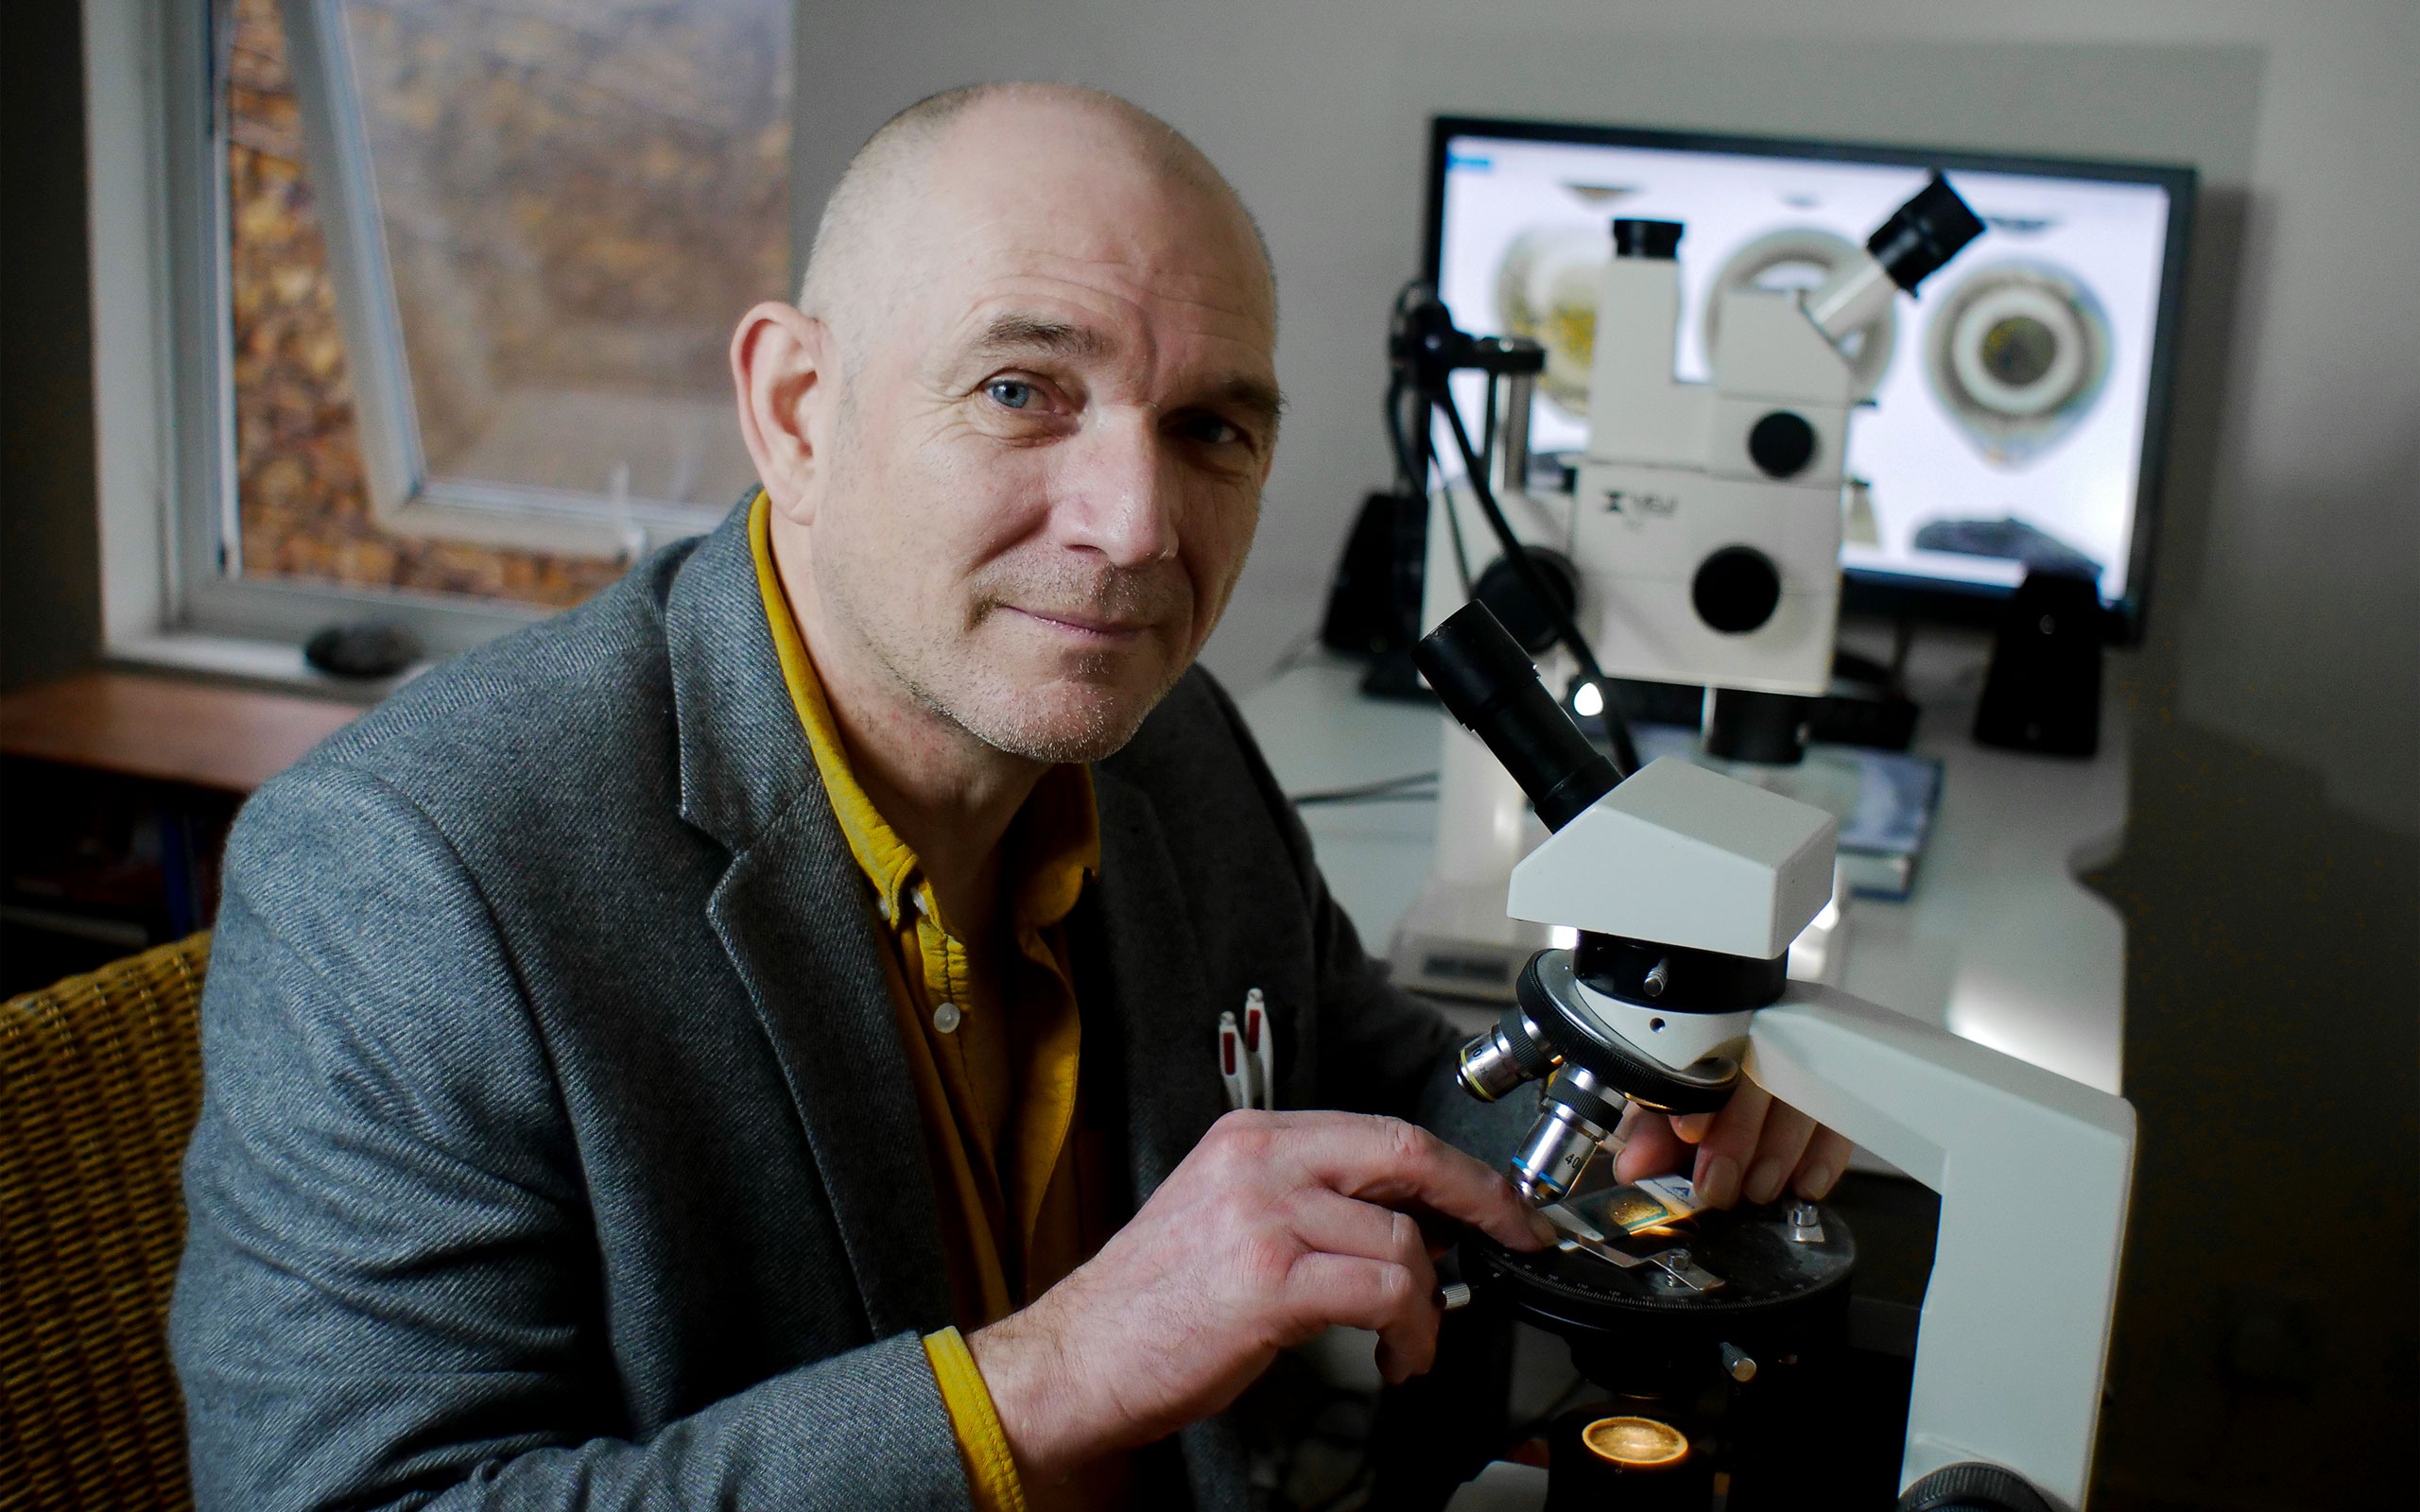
<point x="1997" y="941"/>
<point x="167" y="730"/>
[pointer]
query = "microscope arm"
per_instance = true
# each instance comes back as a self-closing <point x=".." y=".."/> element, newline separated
<point x="2033" y="1170"/>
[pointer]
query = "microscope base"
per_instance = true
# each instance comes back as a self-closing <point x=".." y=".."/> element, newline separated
<point x="1454" y="942"/>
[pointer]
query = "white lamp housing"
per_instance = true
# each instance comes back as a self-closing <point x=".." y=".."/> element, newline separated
<point x="1680" y="856"/>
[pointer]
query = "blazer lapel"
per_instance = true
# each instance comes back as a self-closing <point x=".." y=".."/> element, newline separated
<point x="1156" y="988"/>
<point x="791" y="912"/>
<point x="1161" y="1004"/>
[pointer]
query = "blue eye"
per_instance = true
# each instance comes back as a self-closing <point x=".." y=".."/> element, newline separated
<point x="1009" y="393"/>
<point x="1212" y="431"/>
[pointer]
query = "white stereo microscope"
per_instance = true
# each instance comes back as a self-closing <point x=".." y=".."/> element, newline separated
<point x="1700" y="546"/>
<point x="1684" y="889"/>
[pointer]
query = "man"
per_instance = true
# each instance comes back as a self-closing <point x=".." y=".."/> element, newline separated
<point x="709" y="1049"/>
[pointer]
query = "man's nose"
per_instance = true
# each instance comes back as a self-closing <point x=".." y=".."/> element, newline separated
<point x="1120" y="499"/>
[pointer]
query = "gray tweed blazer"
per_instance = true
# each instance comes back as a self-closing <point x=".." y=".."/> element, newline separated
<point x="557" y="1148"/>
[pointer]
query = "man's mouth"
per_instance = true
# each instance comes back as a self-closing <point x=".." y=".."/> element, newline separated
<point x="1097" y="629"/>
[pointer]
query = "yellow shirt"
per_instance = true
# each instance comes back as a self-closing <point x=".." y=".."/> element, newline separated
<point x="992" y="1041"/>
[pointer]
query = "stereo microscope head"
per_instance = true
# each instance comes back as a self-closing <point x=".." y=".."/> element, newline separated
<point x="1686" y="888"/>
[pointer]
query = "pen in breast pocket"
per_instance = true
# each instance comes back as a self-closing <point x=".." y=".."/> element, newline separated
<point x="1235" y="1063"/>
<point x="1248" y="1056"/>
<point x="1260" y="1045"/>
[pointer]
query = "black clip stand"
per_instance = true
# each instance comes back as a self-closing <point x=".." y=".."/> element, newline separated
<point x="2043" y="693"/>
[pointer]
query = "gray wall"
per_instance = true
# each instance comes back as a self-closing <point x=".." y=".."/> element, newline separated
<point x="2291" y="556"/>
<point x="2271" y="880"/>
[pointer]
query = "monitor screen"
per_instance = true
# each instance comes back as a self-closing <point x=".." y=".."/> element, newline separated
<point x="2020" y="401"/>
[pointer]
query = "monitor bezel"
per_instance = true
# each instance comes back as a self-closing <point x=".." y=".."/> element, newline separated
<point x="1868" y="591"/>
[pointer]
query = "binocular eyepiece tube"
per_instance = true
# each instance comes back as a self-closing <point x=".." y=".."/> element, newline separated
<point x="1491" y="687"/>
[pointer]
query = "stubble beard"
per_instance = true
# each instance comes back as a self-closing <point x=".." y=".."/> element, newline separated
<point x="1082" y="712"/>
<point x="1086" y="710"/>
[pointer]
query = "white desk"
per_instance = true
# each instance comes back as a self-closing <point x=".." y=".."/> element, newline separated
<point x="1999" y="941"/>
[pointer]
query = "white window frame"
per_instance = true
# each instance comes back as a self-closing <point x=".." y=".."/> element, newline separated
<point x="403" y="494"/>
<point x="162" y="367"/>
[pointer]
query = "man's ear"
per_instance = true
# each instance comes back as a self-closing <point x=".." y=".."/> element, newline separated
<point x="781" y="368"/>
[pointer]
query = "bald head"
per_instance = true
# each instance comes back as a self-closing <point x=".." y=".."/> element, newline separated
<point x="1001" y="135"/>
<point x="1014" y="432"/>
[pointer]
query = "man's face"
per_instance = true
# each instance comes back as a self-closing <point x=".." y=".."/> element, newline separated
<point x="1050" y="446"/>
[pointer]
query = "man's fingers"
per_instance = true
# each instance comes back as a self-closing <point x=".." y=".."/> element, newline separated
<point x="1338" y="1225"/>
<point x="1730" y="1140"/>
<point x="1397" y="1164"/>
<point x="1344" y="1228"/>
<point x="1779" y="1148"/>
<point x="1376" y="1295"/>
<point x="1650" y="1145"/>
<point x="1827" y="1156"/>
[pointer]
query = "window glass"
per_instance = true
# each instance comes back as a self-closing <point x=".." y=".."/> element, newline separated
<point x="302" y="503"/>
<point x="579" y="198"/>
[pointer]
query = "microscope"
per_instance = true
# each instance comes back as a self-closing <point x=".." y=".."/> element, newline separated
<point x="1682" y="889"/>
<point x="1710" y="513"/>
<point x="1700" y="543"/>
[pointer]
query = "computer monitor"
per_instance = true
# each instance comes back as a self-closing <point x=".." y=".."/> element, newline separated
<point x="2020" y="402"/>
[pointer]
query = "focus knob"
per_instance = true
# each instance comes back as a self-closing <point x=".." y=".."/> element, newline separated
<point x="1782" y="444"/>
<point x="1737" y="590"/>
<point x="1973" y="1486"/>
<point x="1500" y="589"/>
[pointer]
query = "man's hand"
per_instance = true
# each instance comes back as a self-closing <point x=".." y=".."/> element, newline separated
<point x="1753" y="1148"/>
<point x="1275" y="1226"/>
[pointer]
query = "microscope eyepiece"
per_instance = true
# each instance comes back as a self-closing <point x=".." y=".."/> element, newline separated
<point x="1654" y="240"/>
<point x="1491" y="687"/>
<point x="1924" y="234"/>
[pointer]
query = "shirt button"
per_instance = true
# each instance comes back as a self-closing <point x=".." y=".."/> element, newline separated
<point x="947" y="1016"/>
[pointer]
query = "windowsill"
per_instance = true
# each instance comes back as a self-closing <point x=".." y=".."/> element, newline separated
<point x="260" y="664"/>
<point x="189" y="731"/>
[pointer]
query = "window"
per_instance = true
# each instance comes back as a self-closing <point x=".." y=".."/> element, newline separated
<point x="446" y="289"/>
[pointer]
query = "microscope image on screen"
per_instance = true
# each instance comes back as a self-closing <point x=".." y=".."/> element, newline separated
<point x="1546" y="289"/>
<point x="2007" y="539"/>
<point x="2018" y="354"/>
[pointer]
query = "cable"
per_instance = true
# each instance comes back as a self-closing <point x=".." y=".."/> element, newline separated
<point x="1404" y="789"/>
<point x="1410" y="475"/>
<point x="1300" y="650"/>
<point x="1395" y="390"/>
<point x="1625" y="754"/>
<point x="1454" y="534"/>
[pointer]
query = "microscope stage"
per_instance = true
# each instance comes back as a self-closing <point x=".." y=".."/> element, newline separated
<point x="1733" y="1277"/>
